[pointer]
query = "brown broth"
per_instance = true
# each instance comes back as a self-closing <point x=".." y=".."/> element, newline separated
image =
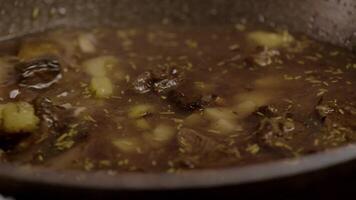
<point x="298" y="100"/>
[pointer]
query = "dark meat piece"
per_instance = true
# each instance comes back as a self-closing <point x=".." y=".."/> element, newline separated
<point x="191" y="142"/>
<point x="160" y="80"/>
<point x="317" y="117"/>
<point x="268" y="111"/>
<point x="188" y="103"/>
<point x="143" y="83"/>
<point x="165" y="85"/>
<point x="199" y="150"/>
<point x="167" y="81"/>
<point x="47" y="112"/>
<point x="39" y="74"/>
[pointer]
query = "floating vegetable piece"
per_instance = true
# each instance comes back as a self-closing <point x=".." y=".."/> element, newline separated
<point x="260" y="98"/>
<point x="142" y="124"/>
<point x="128" y="145"/>
<point x="160" y="136"/>
<point x="245" y="108"/>
<point x="86" y="43"/>
<point x="194" y="119"/>
<point x="219" y="113"/>
<point x="163" y="133"/>
<point x="270" y="39"/>
<point x="98" y="66"/>
<point x="140" y="110"/>
<point x="101" y="87"/>
<point x="39" y="74"/>
<point x="19" y="117"/>
<point x="223" y="126"/>
<point x="222" y="120"/>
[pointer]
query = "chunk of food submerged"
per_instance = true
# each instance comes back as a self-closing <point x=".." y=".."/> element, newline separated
<point x="270" y="39"/>
<point x="18" y="117"/>
<point x="86" y="42"/>
<point x="140" y="110"/>
<point x="128" y="145"/>
<point x="160" y="136"/>
<point x="100" y="85"/>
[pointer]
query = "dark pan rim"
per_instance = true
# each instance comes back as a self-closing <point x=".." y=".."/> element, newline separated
<point x="184" y="180"/>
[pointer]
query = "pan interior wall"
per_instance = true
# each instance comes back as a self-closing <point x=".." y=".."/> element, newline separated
<point x="327" y="20"/>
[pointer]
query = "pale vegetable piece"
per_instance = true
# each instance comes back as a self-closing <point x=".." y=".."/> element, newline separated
<point x="87" y="42"/>
<point x="270" y="39"/>
<point x="245" y="108"/>
<point x="269" y="82"/>
<point x="223" y="126"/>
<point x="204" y="87"/>
<point x="214" y="114"/>
<point x="98" y="67"/>
<point x="260" y="98"/>
<point x="194" y="119"/>
<point x="128" y="145"/>
<point x="160" y="136"/>
<point x="101" y="87"/>
<point x="34" y="49"/>
<point x="140" y="110"/>
<point x="142" y="124"/>
<point x="253" y="149"/>
<point x="19" y="117"/>
<point x="163" y="133"/>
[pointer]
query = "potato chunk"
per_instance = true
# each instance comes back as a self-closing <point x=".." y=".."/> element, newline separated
<point x="163" y="133"/>
<point x="101" y="87"/>
<point x="128" y="145"/>
<point x="259" y="98"/>
<point x="269" y="39"/>
<point x="142" y="124"/>
<point x="222" y="120"/>
<point x="87" y="42"/>
<point x="224" y="126"/>
<point x="140" y="110"/>
<point x="219" y="113"/>
<point x="160" y="136"/>
<point x="19" y="117"/>
<point x="98" y="67"/>
<point x="245" y="108"/>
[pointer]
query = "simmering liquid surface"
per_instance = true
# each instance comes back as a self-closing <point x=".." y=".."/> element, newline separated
<point x="171" y="99"/>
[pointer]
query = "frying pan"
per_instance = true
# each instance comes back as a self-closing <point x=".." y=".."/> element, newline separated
<point x="332" y="21"/>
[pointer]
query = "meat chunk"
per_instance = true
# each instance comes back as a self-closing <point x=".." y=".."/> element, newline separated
<point x="39" y="74"/>
<point x="160" y="80"/>
<point x="191" y="142"/>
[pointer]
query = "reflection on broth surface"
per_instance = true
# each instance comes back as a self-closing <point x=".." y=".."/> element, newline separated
<point x="170" y="99"/>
